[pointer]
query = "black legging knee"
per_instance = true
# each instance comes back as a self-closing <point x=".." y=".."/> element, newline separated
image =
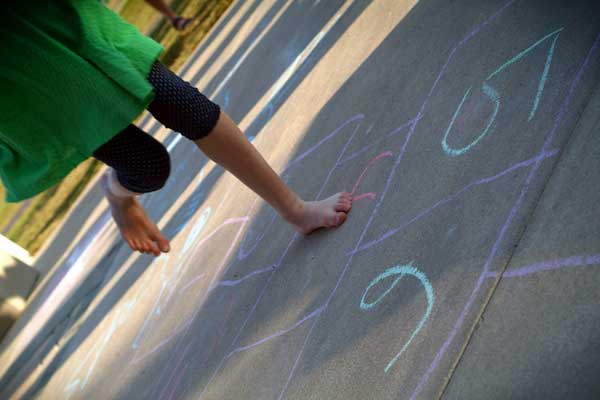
<point x="180" y="106"/>
<point x="142" y="163"/>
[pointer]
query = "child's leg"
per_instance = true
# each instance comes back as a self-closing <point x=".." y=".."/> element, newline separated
<point x="139" y="164"/>
<point x="227" y="146"/>
<point x="181" y="107"/>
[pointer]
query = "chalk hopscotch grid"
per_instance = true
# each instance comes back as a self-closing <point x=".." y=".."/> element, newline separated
<point x="535" y="162"/>
<point x="272" y="268"/>
<point x="356" y="118"/>
<point x="412" y="125"/>
<point x="516" y="207"/>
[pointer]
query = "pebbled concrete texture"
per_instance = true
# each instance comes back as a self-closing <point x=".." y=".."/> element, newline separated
<point x="466" y="132"/>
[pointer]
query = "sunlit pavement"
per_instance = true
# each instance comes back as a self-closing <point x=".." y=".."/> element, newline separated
<point x="469" y="265"/>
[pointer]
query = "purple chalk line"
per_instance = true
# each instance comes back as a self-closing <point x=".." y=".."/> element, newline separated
<point x="243" y="252"/>
<point x="569" y="262"/>
<point x="392" y="173"/>
<point x="163" y="342"/>
<point x="318" y="310"/>
<point x="303" y="155"/>
<point x="183" y="353"/>
<point x="507" y="223"/>
<point x="358" y="117"/>
<point x="393" y="231"/>
<point x="180" y="342"/>
<point x="235" y="282"/>
<point x="376" y="208"/>
<point x="177" y="381"/>
<point x="191" y="282"/>
<point x="277" y="334"/>
<point x="293" y="370"/>
<point x="375" y="142"/>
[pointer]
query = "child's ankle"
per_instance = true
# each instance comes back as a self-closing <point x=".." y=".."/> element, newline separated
<point x="294" y="211"/>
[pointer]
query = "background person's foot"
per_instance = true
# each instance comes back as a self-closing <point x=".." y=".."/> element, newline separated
<point x="180" y="23"/>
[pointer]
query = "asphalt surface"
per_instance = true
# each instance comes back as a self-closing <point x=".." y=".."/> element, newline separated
<point x="469" y="265"/>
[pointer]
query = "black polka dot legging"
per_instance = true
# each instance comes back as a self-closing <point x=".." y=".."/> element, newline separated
<point x="141" y="162"/>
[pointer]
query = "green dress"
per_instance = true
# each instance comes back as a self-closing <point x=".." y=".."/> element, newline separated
<point x="72" y="75"/>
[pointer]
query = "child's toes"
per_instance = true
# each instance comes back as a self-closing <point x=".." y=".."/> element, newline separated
<point x="153" y="247"/>
<point x="340" y="218"/>
<point x="342" y="206"/>
<point x="161" y="241"/>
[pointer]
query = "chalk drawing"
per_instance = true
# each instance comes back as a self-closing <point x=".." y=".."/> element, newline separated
<point x="245" y="249"/>
<point x="491" y="93"/>
<point x="171" y="280"/>
<point x="319" y="309"/>
<point x="315" y="313"/>
<point x="410" y="125"/>
<point x="82" y="373"/>
<point x="544" y="76"/>
<point x="401" y="271"/>
<point x="196" y="230"/>
<point x="90" y="360"/>
<point x="369" y="165"/>
<point x="514" y="210"/>
<point x="369" y="195"/>
<point x="182" y="334"/>
<point x="243" y="254"/>
<point x="374" y="142"/>
<point x="341" y="128"/>
<point x="456" y="196"/>
<point x="171" y="275"/>
<point x="308" y="279"/>
<point x="569" y="262"/>
<point x="493" y="96"/>
<point x="236" y="282"/>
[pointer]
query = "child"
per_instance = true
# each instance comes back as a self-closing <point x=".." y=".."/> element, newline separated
<point x="73" y="75"/>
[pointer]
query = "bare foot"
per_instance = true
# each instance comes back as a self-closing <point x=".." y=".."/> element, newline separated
<point x="140" y="233"/>
<point x="328" y="213"/>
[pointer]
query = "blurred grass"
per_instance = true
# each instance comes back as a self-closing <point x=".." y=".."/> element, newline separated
<point x="45" y="211"/>
<point x="31" y="222"/>
<point x="178" y="45"/>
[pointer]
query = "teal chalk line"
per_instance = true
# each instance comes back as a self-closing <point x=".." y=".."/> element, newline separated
<point x="402" y="270"/>
<point x="493" y="94"/>
<point x="523" y="53"/>
<point x="384" y="275"/>
<point x="544" y="76"/>
<point x="542" y="83"/>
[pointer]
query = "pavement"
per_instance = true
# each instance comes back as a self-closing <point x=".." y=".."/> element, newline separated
<point x="469" y="265"/>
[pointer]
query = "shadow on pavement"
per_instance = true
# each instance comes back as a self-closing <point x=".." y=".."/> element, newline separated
<point x="274" y="284"/>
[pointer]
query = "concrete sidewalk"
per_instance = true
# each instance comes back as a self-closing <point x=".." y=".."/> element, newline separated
<point x="468" y="133"/>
